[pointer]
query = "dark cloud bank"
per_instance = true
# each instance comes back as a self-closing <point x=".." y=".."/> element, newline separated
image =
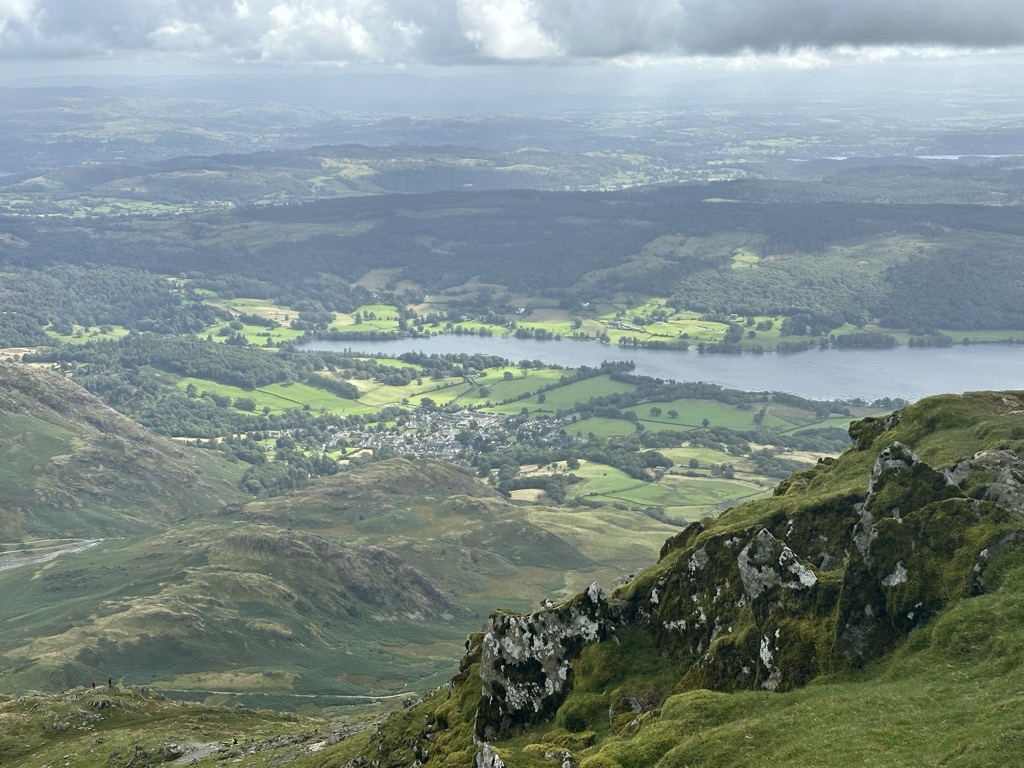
<point x="448" y="31"/>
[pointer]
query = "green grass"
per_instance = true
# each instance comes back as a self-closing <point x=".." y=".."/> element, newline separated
<point x="129" y="723"/>
<point x="568" y="396"/>
<point x="678" y="495"/>
<point x="602" y="427"/>
<point x="82" y="335"/>
<point x="521" y="382"/>
<point x="299" y="394"/>
<point x="706" y="456"/>
<point x="693" y="412"/>
<point x="612" y="537"/>
<point x="599" y="479"/>
<point x="280" y="397"/>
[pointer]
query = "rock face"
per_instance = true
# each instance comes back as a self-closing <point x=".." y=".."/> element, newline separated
<point x="832" y="582"/>
<point x="525" y="661"/>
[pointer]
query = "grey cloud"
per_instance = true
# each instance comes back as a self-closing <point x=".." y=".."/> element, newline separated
<point x="727" y="27"/>
<point x="440" y="31"/>
<point x="720" y="27"/>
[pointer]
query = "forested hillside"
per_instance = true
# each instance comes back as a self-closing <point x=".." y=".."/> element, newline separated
<point x="903" y="266"/>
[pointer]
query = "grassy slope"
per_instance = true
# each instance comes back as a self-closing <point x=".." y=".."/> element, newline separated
<point x="71" y="466"/>
<point x="286" y="598"/>
<point x="948" y="695"/>
<point x="83" y="728"/>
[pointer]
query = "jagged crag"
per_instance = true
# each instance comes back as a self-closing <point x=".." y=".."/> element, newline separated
<point x="833" y="572"/>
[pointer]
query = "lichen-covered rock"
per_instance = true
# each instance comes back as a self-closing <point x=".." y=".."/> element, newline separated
<point x="919" y="544"/>
<point x="901" y="481"/>
<point x="866" y="431"/>
<point x="723" y="614"/>
<point x="526" y="661"/>
<point x="766" y="563"/>
<point x="993" y="475"/>
<point x="486" y="757"/>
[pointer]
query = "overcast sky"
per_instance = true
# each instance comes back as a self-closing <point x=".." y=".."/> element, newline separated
<point x="76" y="37"/>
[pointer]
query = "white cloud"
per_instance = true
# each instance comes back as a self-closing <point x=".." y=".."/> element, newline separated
<point x="304" y="30"/>
<point x="16" y="10"/>
<point x="18" y="22"/>
<point x="179" y="35"/>
<point x="506" y="29"/>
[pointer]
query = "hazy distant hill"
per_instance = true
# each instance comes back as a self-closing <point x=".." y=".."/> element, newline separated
<point x="855" y="248"/>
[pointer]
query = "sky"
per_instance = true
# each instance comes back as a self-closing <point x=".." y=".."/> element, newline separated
<point x="515" y="40"/>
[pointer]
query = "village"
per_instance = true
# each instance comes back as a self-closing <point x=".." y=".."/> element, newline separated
<point x="450" y="435"/>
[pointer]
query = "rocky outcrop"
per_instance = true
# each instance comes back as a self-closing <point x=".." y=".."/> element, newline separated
<point x="993" y="475"/>
<point x="525" y="661"/>
<point x="831" y="583"/>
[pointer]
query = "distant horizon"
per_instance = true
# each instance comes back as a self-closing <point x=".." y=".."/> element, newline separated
<point x="523" y="56"/>
<point x="949" y="86"/>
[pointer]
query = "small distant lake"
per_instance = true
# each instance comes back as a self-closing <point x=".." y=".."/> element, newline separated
<point x="910" y="373"/>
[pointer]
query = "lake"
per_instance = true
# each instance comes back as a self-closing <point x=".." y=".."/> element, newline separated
<point x="828" y="374"/>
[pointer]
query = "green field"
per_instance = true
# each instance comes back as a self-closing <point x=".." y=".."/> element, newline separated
<point x="280" y="397"/>
<point x="600" y="426"/>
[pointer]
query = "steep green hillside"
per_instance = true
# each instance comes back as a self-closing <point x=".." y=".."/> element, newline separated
<point x="868" y="613"/>
<point x="70" y="466"/>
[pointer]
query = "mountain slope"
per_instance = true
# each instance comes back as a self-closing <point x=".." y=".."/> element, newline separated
<point x="70" y="466"/>
<point x="229" y="606"/>
<point x="891" y="578"/>
<point x="363" y="583"/>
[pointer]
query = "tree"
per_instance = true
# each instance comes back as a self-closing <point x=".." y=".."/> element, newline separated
<point x="655" y="411"/>
<point x="694" y="463"/>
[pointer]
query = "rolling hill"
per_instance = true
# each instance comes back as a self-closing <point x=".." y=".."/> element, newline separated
<point x="70" y="466"/>
<point x="135" y="557"/>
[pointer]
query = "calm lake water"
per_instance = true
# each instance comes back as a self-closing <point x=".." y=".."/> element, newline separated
<point x="910" y="373"/>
